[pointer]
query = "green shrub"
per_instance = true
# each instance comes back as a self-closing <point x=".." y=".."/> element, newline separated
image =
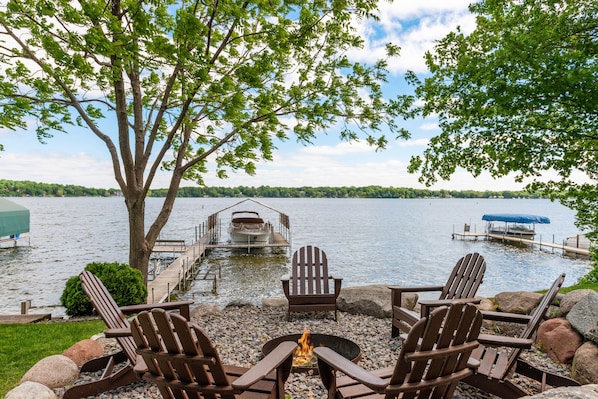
<point x="124" y="283"/>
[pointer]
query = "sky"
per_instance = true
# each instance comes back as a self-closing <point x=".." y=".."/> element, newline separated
<point x="80" y="158"/>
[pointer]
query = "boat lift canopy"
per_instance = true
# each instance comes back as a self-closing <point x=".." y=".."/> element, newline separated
<point x="14" y="218"/>
<point x="516" y="218"/>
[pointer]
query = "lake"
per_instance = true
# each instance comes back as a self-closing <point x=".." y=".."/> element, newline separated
<point x="367" y="241"/>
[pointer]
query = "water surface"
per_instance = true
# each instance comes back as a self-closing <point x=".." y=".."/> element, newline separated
<point x="368" y="241"/>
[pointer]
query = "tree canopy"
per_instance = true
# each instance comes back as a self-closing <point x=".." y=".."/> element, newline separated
<point x="519" y="94"/>
<point x="167" y="84"/>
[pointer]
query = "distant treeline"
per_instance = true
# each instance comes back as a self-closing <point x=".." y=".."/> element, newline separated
<point x="10" y="188"/>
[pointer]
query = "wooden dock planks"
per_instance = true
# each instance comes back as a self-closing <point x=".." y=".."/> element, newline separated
<point x="565" y="248"/>
<point x="159" y="289"/>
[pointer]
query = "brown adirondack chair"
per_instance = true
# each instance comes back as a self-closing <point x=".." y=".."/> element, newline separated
<point x="462" y="284"/>
<point x="433" y="359"/>
<point x="308" y="289"/>
<point x="183" y="362"/>
<point x="498" y="364"/>
<point x="119" y="328"/>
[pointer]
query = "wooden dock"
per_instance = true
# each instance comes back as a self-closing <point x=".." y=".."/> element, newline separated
<point x="176" y="275"/>
<point x="566" y="249"/>
<point x="24" y="318"/>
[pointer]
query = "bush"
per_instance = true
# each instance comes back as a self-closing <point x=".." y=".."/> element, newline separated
<point x="124" y="283"/>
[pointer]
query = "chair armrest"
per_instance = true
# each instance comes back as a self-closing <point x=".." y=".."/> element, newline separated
<point x="501" y="340"/>
<point x="508" y="317"/>
<point x="182" y="306"/>
<point x="426" y="305"/>
<point x="140" y="367"/>
<point x="433" y="303"/>
<point x="416" y="289"/>
<point x="117" y="332"/>
<point x="340" y="363"/>
<point x="283" y="352"/>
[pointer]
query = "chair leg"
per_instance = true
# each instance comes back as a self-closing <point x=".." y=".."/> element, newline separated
<point x="100" y="363"/>
<point x="124" y="376"/>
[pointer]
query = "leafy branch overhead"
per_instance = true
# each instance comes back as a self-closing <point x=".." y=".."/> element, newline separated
<point x="169" y="84"/>
<point x="220" y="77"/>
<point x="519" y="95"/>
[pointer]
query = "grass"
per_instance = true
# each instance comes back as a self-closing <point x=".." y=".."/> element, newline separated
<point x="23" y="345"/>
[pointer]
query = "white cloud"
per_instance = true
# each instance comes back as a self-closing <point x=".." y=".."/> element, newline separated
<point x="343" y="148"/>
<point x="413" y="143"/>
<point x="430" y="126"/>
<point x="415" y="27"/>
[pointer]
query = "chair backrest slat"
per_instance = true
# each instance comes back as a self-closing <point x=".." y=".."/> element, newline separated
<point x="309" y="274"/>
<point x="465" y="278"/>
<point x="108" y="310"/>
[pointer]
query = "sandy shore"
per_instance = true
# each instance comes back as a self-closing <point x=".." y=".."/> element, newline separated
<point x="239" y="332"/>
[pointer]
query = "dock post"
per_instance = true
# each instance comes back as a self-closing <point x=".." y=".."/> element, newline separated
<point x="25" y="306"/>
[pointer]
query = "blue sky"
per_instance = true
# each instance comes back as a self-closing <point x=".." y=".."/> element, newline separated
<point x="81" y="158"/>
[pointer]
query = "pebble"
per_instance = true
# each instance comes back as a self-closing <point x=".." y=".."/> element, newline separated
<point x="239" y="332"/>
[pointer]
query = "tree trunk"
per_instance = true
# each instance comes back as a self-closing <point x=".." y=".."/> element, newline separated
<point x="139" y="251"/>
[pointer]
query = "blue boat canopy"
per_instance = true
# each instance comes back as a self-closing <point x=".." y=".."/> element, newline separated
<point x="515" y="218"/>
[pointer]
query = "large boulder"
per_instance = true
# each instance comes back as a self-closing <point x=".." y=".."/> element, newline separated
<point x="275" y="302"/>
<point x="83" y="351"/>
<point x="203" y="310"/>
<point x="54" y="371"/>
<point x="31" y="390"/>
<point x="558" y="340"/>
<point x="584" y="317"/>
<point x="582" y="392"/>
<point x="371" y="300"/>
<point x="585" y="364"/>
<point x="571" y="298"/>
<point x="520" y="302"/>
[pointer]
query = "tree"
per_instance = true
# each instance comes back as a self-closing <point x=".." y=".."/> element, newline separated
<point x="168" y="84"/>
<point x="519" y="94"/>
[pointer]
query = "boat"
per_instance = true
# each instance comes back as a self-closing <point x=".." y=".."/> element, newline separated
<point x="515" y="225"/>
<point x="247" y="227"/>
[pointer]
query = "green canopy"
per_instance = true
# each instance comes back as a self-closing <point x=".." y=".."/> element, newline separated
<point x="14" y="218"/>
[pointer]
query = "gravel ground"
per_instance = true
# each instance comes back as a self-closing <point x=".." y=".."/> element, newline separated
<point x="239" y="332"/>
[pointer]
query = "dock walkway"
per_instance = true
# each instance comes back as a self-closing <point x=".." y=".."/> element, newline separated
<point x="181" y="270"/>
<point x="565" y="248"/>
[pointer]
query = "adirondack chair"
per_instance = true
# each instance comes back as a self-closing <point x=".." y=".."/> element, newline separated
<point x="308" y="289"/>
<point x="462" y="284"/>
<point x="183" y="362"/>
<point x="498" y="364"/>
<point x="433" y="359"/>
<point x="119" y="328"/>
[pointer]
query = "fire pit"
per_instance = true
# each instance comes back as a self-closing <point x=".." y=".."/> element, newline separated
<point x="304" y="360"/>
